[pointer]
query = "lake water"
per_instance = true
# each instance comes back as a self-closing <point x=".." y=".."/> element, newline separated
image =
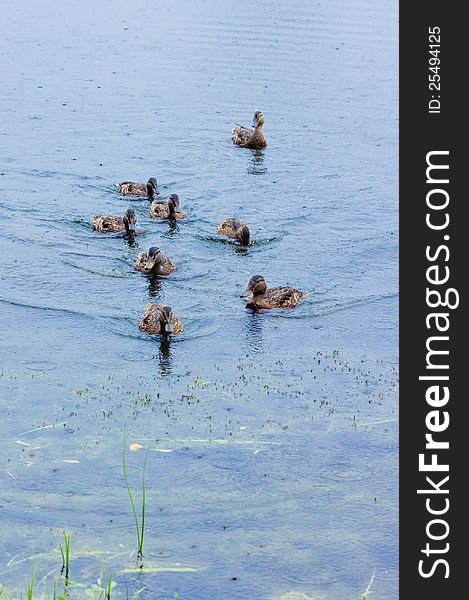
<point x="272" y="437"/>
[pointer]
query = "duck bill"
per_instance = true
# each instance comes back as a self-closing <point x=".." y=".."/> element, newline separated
<point x="246" y="293"/>
<point x="168" y="328"/>
<point x="132" y="227"/>
<point x="150" y="264"/>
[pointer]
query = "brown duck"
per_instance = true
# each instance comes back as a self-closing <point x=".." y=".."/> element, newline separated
<point x="235" y="229"/>
<point x="249" y="138"/>
<point x="129" y="188"/>
<point x="277" y="297"/>
<point x="154" y="263"/>
<point x="112" y="224"/>
<point x="158" y="318"/>
<point x="166" y="210"/>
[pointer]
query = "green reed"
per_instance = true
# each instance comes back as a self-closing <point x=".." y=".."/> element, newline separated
<point x="368" y="587"/>
<point x="5" y="594"/>
<point x="65" y="552"/>
<point x="30" y="585"/>
<point x="139" y="523"/>
<point x="106" y="584"/>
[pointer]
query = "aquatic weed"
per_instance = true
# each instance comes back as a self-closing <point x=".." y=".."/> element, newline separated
<point x="107" y="584"/>
<point x="30" y="585"/>
<point x="54" y="592"/>
<point x="5" y="594"/>
<point x="368" y="587"/>
<point x="65" y="552"/>
<point x="139" y="525"/>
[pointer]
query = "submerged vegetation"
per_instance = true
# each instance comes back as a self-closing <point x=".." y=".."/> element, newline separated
<point x="105" y="583"/>
<point x="243" y="445"/>
<point x="103" y="588"/>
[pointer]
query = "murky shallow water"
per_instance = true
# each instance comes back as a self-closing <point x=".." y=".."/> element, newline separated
<point x="282" y="427"/>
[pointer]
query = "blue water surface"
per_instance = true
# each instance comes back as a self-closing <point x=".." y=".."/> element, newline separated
<point x="270" y="438"/>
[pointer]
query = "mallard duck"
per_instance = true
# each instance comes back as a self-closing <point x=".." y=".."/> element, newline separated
<point x="158" y="318"/>
<point x="235" y="229"/>
<point x="154" y="262"/>
<point x="277" y="297"/>
<point x="129" y="188"/>
<point x="112" y="224"/>
<point x="166" y="210"/>
<point x="247" y="138"/>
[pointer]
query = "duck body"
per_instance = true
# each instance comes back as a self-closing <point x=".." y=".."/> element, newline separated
<point x="235" y="229"/>
<point x="129" y="188"/>
<point x="263" y="297"/>
<point x="167" y="210"/>
<point x="113" y="224"/>
<point x="250" y="138"/>
<point x="154" y="262"/>
<point x="159" y="319"/>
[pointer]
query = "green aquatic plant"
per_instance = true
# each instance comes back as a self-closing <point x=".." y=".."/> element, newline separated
<point x="100" y="590"/>
<point x="30" y="585"/>
<point x="55" y="595"/>
<point x="4" y="593"/>
<point x="368" y="587"/>
<point x="107" y="584"/>
<point x="139" y="523"/>
<point x="65" y="552"/>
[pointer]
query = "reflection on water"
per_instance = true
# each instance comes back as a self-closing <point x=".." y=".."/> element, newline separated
<point x="173" y="228"/>
<point x="164" y="356"/>
<point x="154" y="286"/>
<point x="256" y="163"/>
<point x="253" y="330"/>
<point x="241" y="250"/>
<point x="131" y="241"/>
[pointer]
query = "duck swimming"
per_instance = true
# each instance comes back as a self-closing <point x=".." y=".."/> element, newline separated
<point x="166" y="210"/>
<point x="235" y="229"/>
<point x="277" y="297"/>
<point x="129" y="188"/>
<point x="248" y="138"/>
<point x="112" y="224"/>
<point x="158" y="318"/>
<point x="154" y="262"/>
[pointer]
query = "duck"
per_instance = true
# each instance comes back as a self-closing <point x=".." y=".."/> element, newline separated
<point x="235" y="229"/>
<point x="247" y="138"/>
<point x="148" y="189"/>
<point x="158" y="318"/>
<point x="167" y="210"/>
<point x="112" y="224"/>
<point x="154" y="262"/>
<point x="276" y="297"/>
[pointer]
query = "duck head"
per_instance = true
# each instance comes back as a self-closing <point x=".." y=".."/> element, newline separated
<point x="154" y="257"/>
<point x="165" y="320"/>
<point x="258" y="119"/>
<point x="151" y="187"/>
<point x="256" y="286"/>
<point x="244" y="235"/>
<point x="130" y="220"/>
<point x="173" y="203"/>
